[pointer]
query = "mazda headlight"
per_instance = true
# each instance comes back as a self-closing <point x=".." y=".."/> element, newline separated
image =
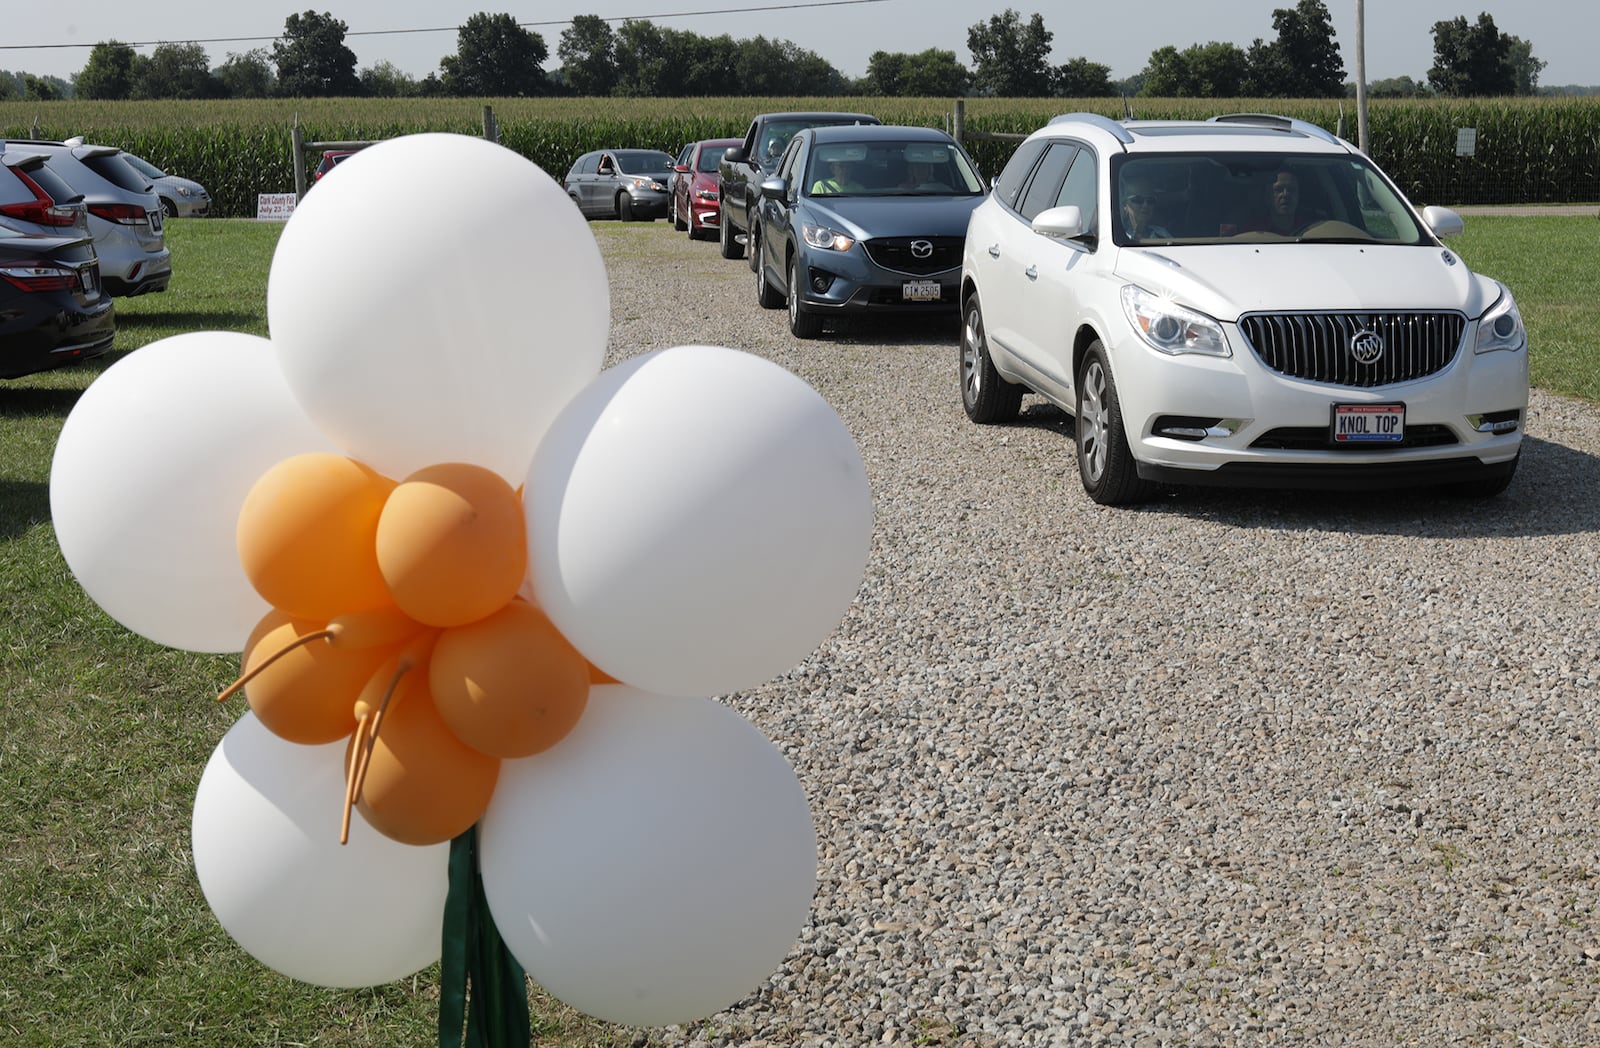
<point x="825" y="238"/>
<point x="1169" y="327"/>
<point x="1501" y="327"/>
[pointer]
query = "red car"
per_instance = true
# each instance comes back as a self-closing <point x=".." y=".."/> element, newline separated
<point x="331" y="158"/>
<point x="694" y="187"/>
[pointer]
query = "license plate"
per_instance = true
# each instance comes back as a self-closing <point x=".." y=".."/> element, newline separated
<point x="1369" y="423"/>
<point x="920" y="291"/>
<point x="90" y="278"/>
<point x="155" y="220"/>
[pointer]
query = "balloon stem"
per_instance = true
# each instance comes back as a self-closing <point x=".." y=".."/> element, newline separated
<point x="250" y="675"/>
<point x="366" y="741"/>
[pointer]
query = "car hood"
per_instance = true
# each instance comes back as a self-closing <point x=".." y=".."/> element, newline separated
<point x="1225" y="281"/>
<point x="867" y="218"/>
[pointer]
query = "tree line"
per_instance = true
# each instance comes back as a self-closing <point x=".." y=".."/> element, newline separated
<point x="497" y="57"/>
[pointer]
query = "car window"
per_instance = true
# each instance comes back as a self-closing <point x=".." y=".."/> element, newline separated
<point x="115" y="170"/>
<point x="710" y="156"/>
<point x="587" y="165"/>
<point x="685" y="156"/>
<point x="1207" y="197"/>
<point x="790" y="164"/>
<point x="1079" y="188"/>
<point x="1045" y="186"/>
<point x="1008" y="187"/>
<point x="643" y="163"/>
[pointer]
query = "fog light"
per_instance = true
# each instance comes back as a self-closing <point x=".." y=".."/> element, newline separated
<point x="820" y="281"/>
<point x="1496" y="422"/>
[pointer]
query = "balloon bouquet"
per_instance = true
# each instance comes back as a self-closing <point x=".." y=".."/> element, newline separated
<point x="484" y="591"/>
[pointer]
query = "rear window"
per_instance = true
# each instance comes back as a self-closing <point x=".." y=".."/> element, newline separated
<point x="53" y="185"/>
<point x="643" y="163"/>
<point x="116" y="170"/>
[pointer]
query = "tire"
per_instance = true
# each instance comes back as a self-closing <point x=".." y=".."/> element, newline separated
<point x="677" y="220"/>
<point x="750" y="239"/>
<point x="731" y="248"/>
<point x="986" y="396"/>
<point x="767" y="296"/>
<point x="1105" y="463"/>
<point x="801" y="323"/>
<point x="168" y="208"/>
<point x="625" y="207"/>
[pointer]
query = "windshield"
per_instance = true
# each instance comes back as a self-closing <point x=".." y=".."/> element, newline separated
<point x="709" y="158"/>
<point x="1258" y="198"/>
<point x="644" y="163"/>
<point x="891" y="169"/>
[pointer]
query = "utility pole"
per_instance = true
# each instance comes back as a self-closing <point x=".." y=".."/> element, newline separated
<point x="1361" y="75"/>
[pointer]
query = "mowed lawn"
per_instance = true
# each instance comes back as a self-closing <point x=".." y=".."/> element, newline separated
<point x="105" y="938"/>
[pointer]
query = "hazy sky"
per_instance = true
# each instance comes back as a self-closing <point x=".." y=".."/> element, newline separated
<point x="415" y="34"/>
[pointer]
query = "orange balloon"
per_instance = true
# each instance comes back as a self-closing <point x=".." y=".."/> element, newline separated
<point x="451" y="544"/>
<point x="305" y="695"/>
<point x="423" y="785"/>
<point x="306" y="532"/>
<point x="508" y="685"/>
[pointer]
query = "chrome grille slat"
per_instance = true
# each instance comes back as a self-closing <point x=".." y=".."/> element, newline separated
<point x="1316" y="346"/>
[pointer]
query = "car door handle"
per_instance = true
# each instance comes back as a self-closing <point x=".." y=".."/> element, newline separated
<point x="1032" y="272"/>
<point x="994" y="250"/>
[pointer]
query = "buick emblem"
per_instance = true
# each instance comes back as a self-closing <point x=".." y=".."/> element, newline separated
<point x="922" y="249"/>
<point x="1366" y="346"/>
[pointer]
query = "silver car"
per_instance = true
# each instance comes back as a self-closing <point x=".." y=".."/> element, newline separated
<point x="180" y="197"/>
<point x="125" y="215"/>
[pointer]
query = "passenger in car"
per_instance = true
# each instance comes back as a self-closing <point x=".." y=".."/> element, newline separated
<point x="1284" y="212"/>
<point x="842" y="179"/>
<point x="1139" y="211"/>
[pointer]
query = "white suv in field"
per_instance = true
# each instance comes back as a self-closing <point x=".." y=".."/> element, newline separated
<point x="1244" y="301"/>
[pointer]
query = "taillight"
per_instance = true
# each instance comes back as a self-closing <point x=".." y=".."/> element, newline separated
<point x="126" y="214"/>
<point x="41" y="210"/>
<point x="39" y="275"/>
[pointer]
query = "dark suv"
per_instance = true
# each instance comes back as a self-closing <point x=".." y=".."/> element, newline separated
<point x="745" y="166"/>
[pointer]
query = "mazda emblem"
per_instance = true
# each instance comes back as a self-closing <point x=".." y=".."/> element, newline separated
<point x="1366" y="346"/>
<point x="921" y="249"/>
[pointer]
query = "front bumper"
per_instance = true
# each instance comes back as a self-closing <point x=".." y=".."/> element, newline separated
<point x="845" y="282"/>
<point x="1194" y="419"/>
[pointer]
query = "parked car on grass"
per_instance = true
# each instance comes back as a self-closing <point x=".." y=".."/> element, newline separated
<point x="1283" y="318"/>
<point x="884" y="236"/>
<point x="34" y="199"/>
<point x="125" y="216"/>
<point x="53" y="310"/>
<point x="180" y="197"/>
<point x="695" y="191"/>
<point x="630" y="184"/>
<point x="331" y="158"/>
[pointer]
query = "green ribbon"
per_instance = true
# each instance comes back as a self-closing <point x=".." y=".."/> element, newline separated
<point x="483" y="992"/>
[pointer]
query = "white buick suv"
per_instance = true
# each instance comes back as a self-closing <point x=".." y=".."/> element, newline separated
<point x="1243" y="301"/>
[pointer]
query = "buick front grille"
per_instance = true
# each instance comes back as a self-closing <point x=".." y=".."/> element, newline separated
<point x="1360" y="350"/>
<point x="916" y="256"/>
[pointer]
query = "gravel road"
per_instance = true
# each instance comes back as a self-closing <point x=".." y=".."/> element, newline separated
<point x="1231" y="768"/>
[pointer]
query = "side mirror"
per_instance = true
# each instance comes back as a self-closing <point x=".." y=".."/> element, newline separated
<point x="1443" y="221"/>
<point x="734" y="154"/>
<point x="682" y="169"/>
<point x="775" y="189"/>
<point x="1063" y="223"/>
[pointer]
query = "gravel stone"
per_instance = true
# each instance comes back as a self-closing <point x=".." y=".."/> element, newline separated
<point x="1232" y="767"/>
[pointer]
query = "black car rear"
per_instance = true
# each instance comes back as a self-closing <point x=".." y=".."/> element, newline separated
<point x="53" y="308"/>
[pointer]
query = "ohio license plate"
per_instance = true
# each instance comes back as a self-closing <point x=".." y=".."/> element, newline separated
<point x="920" y="291"/>
<point x="1369" y="423"/>
<point x="155" y="220"/>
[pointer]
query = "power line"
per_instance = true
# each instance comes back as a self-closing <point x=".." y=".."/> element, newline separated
<point x="453" y="28"/>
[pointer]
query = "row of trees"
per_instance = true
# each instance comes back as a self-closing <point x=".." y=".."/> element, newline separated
<point x="497" y="57"/>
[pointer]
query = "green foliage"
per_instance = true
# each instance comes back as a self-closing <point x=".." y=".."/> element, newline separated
<point x="177" y="71"/>
<point x="1010" y="58"/>
<point x="312" y="59"/>
<point x="926" y="75"/>
<point x="109" y="72"/>
<point x="1528" y="150"/>
<point x="1472" y="60"/>
<point x="496" y="57"/>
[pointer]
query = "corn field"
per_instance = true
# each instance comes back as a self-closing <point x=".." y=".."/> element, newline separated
<point x="1533" y="150"/>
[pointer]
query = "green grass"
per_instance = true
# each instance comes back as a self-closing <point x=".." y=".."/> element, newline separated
<point x="1548" y="261"/>
<point x="105" y="938"/>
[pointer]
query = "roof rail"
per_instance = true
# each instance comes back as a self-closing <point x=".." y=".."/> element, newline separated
<point x="1282" y="123"/>
<point x="1104" y="123"/>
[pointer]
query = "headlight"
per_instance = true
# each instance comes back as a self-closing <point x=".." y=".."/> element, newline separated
<point x="1501" y="327"/>
<point x="1169" y="327"/>
<point x="825" y="238"/>
<point x="647" y="183"/>
<point x="707" y="194"/>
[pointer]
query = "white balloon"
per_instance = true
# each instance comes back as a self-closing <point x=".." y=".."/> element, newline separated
<point x="655" y="865"/>
<point x="415" y="334"/>
<point x="149" y="472"/>
<point x="698" y="521"/>
<point x="267" y="852"/>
